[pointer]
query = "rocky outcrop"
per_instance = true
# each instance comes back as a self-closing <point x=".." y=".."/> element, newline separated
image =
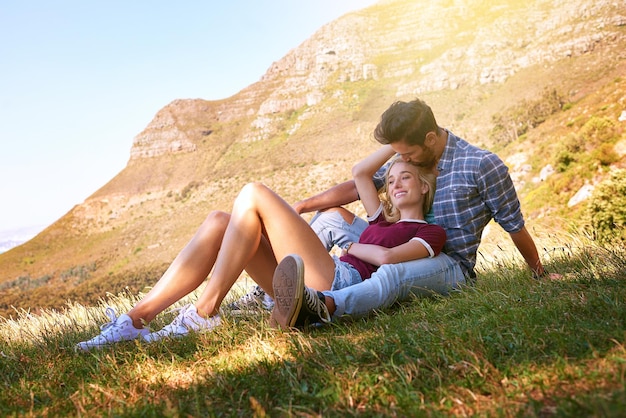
<point x="471" y="44"/>
<point x="168" y="132"/>
<point x="581" y="195"/>
<point x="518" y="39"/>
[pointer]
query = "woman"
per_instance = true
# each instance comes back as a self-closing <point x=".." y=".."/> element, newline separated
<point x="263" y="228"/>
<point x="397" y="232"/>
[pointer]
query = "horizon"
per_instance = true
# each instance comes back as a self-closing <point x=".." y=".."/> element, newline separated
<point x="11" y="238"/>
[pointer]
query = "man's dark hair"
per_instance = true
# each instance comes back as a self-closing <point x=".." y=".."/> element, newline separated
<point x="406" y="121"/>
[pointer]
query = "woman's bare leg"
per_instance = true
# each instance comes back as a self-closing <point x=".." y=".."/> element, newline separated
<point x="186" y="273"/>
<point x="259" y="211"/>
<point x="192" y="266"/>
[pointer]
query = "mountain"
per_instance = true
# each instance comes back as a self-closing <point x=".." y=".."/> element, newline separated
<point x="526" y="79"/>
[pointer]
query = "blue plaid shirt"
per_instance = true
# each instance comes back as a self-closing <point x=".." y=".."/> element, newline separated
<point x="473" y="187"/>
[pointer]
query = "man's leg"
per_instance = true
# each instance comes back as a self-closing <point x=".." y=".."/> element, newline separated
<point x="397" y="282"/>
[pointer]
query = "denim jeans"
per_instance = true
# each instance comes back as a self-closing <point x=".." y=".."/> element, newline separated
<point x="391" y="282"/>
<point x="345" y="275"/>
<point x="333" y="230"/>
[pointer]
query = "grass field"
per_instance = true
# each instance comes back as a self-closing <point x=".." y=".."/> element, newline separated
<point x="510" y="346"/>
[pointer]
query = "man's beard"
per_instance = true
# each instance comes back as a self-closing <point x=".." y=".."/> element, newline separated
<point x="429" y="158"/>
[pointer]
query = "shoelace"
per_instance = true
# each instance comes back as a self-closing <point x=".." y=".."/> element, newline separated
<point x="180" y="318"/>
<point x="313" y="301"/>
<point x="110" y="313"/>
<point x="253" y="295"/>
<point x="256" y="293"/>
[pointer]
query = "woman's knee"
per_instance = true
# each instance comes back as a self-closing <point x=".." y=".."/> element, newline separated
<point x="216" y="220"/>
<point x="251" y="192"/>
<point x="217" y="217"/>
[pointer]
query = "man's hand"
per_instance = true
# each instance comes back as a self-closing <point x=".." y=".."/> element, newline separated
<point x="298" y="207"/>
<point x="336" y="196"/>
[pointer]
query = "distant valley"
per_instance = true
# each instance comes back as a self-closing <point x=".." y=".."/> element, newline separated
<point x="11" y="238"/>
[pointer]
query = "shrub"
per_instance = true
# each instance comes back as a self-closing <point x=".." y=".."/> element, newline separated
<point x="188" y="190"/>
<point x="597" y="131"/>
<point x="516" y="121"/>
<point x="80" y="273"/>
<point x="26" y="282"/>
<point x="606" y="209"/>
<point x="563" y="160"/>
<point x="605" y="154"/>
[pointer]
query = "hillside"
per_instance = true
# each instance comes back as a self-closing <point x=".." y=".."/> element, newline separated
<point x="309" y="118"/>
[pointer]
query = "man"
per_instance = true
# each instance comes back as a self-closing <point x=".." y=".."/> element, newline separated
<point x="473" y="187"/>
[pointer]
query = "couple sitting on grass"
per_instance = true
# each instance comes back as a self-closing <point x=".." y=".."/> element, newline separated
<point x="393" y="257"/>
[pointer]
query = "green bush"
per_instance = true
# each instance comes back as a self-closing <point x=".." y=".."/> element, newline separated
<point x="605" y="154"/>
<point x="606" y="209"/>
<point x="598" y="130"/>
<point x="563" y="160"/>
<point x="515" y="121"/>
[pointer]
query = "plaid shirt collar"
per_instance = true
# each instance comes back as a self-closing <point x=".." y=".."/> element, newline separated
<point x="445" y="162"/>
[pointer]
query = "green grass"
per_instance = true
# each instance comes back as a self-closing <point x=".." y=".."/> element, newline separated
<point x="510" y="346"/>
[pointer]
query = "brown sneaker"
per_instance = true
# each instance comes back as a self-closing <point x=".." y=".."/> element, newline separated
<point x="295" y="304"/>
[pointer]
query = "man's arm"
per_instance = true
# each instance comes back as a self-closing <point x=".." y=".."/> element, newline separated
<point x="527" y="248"/>
<point x="500" y="196"/>
<point x="338" y="195"/>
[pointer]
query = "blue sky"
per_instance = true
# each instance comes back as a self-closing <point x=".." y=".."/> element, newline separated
<point x="78" y="80"/>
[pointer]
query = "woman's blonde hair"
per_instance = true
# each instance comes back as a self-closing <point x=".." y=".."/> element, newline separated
<point x="392" y="214"/>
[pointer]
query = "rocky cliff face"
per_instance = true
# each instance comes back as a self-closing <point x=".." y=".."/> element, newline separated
<point x="404" y="48"/>
<point x="413" y="47"/>
<point x="167" y="133"/>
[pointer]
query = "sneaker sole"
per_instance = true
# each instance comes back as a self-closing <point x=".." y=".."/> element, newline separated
<point x="85" y="346"/>
<point x="288" y="284"/>
<point x="151" y="340"/>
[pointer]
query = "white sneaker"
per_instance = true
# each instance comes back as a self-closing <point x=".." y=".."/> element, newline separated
<point x="119" y="329"/>
<point x="187" y="320"/>
<point x="253" y="301"/>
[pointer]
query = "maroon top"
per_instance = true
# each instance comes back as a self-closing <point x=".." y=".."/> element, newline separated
<point x="389" y="235"/>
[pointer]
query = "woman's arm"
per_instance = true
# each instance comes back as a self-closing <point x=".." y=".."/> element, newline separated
<point x="428" y="241"/>
<point x="378" y="255"/>
<point x="362" y="173"/>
